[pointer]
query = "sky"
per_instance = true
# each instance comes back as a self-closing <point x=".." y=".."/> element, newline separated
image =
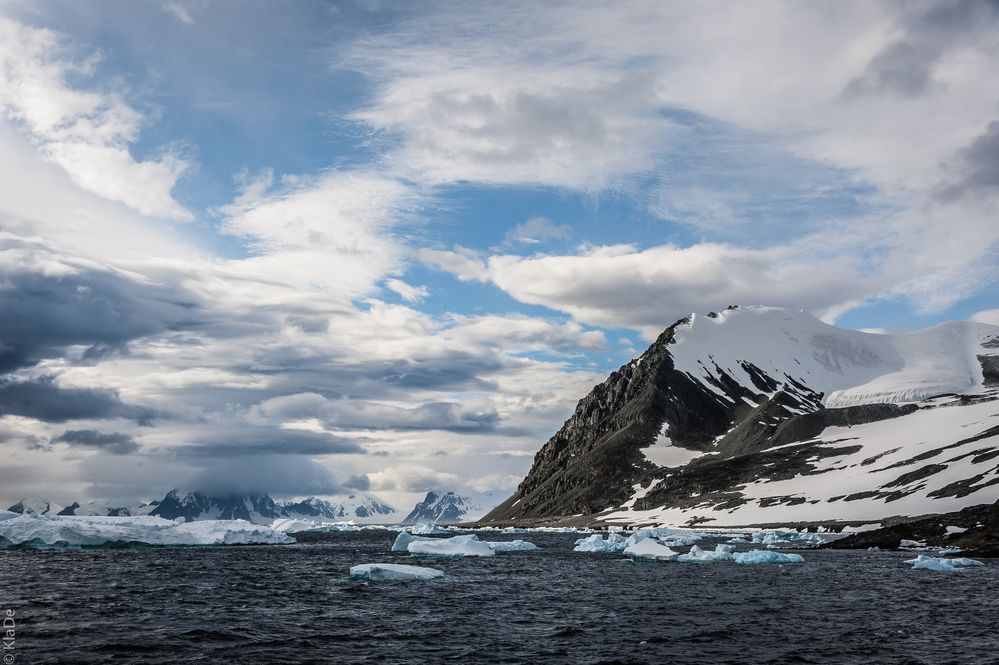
<point x="315" y="248"/>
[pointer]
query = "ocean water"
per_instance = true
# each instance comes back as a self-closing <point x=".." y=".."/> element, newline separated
<point x="292" y="604"/>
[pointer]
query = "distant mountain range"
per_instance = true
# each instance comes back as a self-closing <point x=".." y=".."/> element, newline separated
<point x="445" y="507"/>
<point x="257" y="508"/>
<point x="761" y="415"/>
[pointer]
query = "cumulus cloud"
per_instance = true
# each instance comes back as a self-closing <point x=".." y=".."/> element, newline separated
<point x="86" y="132"/>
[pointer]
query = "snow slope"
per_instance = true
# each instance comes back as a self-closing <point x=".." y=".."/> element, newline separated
<point x="848" y="366"/>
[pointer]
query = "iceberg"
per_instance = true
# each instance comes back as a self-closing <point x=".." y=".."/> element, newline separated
<point x="648" y="548"/>
<point x="697" y="555"/>
<point x="403" y="540"/>
<point x="614" y="543"/>
<point x="766" y="556"/>
<point x="782" y="538"/>
<point x="511" y="545"/>
<point x="469" y="545"/>
<point x="923" y="562"/>
<point x="393" y="572"/>
<point x="70" y="531"/>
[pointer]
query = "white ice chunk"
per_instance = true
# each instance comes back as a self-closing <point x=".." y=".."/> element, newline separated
<point x="55" y="530"/>
<point x="511" y="545"/>
<point x="923" y="562"/>
<point x="783" y="538"/>
<point x="613" y="543"/>
<point x="766" y="556"/>
<point x="469" y="545"/>
<point x="403" y="540"/>
<point x="647" y="548"/>
<point x="951" y="530"/>
<point x="697" y="555"/>
<point x="393" y="572"/>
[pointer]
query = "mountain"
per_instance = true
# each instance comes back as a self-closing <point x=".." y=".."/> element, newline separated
<point x="767" y="415"/>
<point x="105" y="509"/>
<point x="357" y="507"/>
<point x="444" y="507"/>
<point x="261" y="509"/>
<point x="30" y="506"/>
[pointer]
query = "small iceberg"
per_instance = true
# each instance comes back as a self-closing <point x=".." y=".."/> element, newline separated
<point x="942" y="565"/>
<point x="403" y="540"/>
<point x="648" y="548"/>
<point x="393" y="572"/>
<point x="469" y="545"/>
<point x="511" y="545"/>
<point x="613" y="544"/>
<point x="784" y="538"/>
<point x="697" y="555"/>
<point x="766" y="556"/>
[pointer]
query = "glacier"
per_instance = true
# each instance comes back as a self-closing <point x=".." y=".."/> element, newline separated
<point x="393" y="572"/>
<point x="70" y="531"/>
<point x="766" y="556"/>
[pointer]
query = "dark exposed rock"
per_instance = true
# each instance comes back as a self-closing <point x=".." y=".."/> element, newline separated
<point x="980" y="540"/>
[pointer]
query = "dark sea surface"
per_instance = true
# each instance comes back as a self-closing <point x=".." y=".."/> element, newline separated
<point x="292" y="604"/>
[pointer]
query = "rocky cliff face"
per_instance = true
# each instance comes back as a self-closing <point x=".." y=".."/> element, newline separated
<point x="754" y="415"/>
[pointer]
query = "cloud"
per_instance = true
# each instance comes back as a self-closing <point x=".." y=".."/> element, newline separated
<point x="412" y="479"/>
<point x="113" y="443"/>
<point x="276" y="475"/>
<point x="355" y="413"/>
<point x="990" y="316"/>
<point x="178" y="10"/>
<point x="464" y="263"/>
<point x="237" y="440"/>
<point x="88" y="133"/>
<point x="906" y="65"/>
<point x="44" y="400"/>
<point x="537" y="230"/>
<point x="622" y="286"/>
<point x="976" y="167"/>
<point x="407" y="292"/>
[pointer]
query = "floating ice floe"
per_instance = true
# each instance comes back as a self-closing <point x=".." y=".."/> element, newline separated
<point x="469" y="545"/>
<point x="511" y="545"/>
<point x="61" y="531"/>
<point x="393" y="572"/>
<point x="766" y="556"/>
<point x="404" y="542"/>
<point x="697" y="555"/>
<point x="614" y="543"/>
<point x="782" y="538"/>
<point x="649" y="548"/>
<point x="737" y="540"/>
<point x="923" y="562"/>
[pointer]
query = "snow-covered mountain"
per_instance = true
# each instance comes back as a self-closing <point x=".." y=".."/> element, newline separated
<point x="445" y="507"/>
<point x="763" y="414"/>
<point x="261" y="509"/>
<point x="356" y="507"/>
<point x="33" y="506"/>
<point x="256" y="508"/>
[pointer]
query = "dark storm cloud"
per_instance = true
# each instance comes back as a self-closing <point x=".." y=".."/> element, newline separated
<point x="905" y="67"/>
<point x="114" y="443"/>
<point x="277" y="475"/>
<point x="43" y="400"/>
<point x="47" y="310"/>
<point x="361" y="482"/>
<point x="977" y="167"/>
<point x="257" y="441"/>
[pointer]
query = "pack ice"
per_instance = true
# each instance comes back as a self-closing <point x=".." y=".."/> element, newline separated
<point x="57" y="531"/>
<point x="393" y="572"/>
